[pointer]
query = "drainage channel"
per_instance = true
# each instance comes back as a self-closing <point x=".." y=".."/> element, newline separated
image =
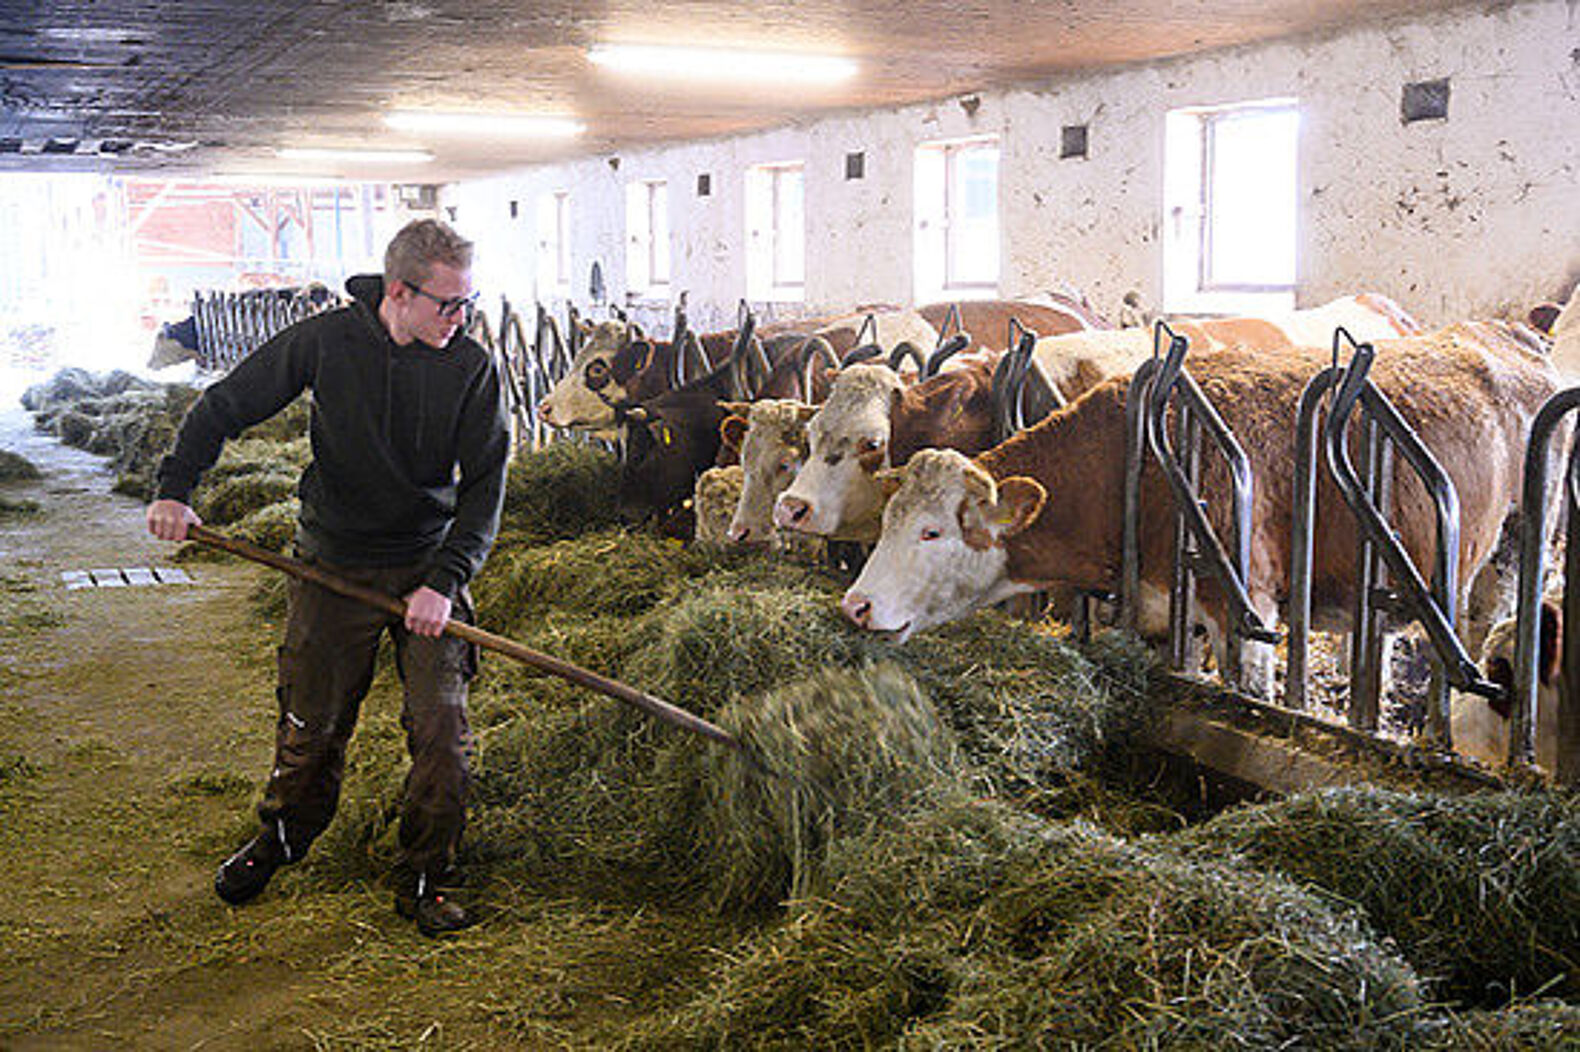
<point x="132" y="577"/>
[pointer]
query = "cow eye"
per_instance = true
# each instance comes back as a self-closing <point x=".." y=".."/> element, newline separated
<point x="869" y="444"/>
<point x="930" y="533"/>
<point x="833" y="458"/>
<point x="596" y="374"/>
<point x="787" y="466"/>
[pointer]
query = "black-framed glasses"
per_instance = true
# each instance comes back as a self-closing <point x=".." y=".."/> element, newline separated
<point x="447" y="306"/>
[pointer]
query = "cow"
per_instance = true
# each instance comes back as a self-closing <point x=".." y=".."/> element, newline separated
<point x="1480" y="726"/>
<point x="873" y="420"/>
<point x="617" y="366"/>
<point x="174" y="343"/>
<point x="1045" y="508"/>
<point x="177" y="342"/>
<point x="988" y="321"/>
<point x="839" y="498"/>
<point x="1075" y="363"/>
<point x="770" y="436"/>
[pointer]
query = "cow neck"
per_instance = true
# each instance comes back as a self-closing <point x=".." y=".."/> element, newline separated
<point x="1078" y="455"/>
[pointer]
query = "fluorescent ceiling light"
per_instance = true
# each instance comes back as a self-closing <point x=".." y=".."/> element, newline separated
<point x="293" y="153"/>
<point x="692" y="63"/>
<point x="525" y="125"/>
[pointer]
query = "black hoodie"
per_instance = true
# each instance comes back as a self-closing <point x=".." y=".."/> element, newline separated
<point x="410" y="443"/>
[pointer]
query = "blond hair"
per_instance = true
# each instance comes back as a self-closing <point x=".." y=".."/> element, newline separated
<point x="419" y="245"/>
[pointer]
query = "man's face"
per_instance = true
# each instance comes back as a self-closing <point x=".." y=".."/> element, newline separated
<point x="433" y="310"/>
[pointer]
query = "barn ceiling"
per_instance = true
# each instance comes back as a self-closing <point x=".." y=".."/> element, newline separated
<point x="218" y="86"/>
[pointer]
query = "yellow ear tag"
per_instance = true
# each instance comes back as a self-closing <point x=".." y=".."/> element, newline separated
<point x="664" y="432"/>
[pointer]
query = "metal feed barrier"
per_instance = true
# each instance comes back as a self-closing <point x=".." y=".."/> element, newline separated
<point x="1368" y="492"/>
<point x="1533" y="568"/>
<point x="1158" y="384"/>
<point x="231" y="325"/>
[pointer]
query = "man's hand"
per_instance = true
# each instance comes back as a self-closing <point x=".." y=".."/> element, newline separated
<point x="168" y="520"/>
<point x="426" y="612"/>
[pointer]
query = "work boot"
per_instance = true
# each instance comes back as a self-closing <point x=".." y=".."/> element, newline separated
<point x="243" y="875"/>
<point x="430" y="900"/>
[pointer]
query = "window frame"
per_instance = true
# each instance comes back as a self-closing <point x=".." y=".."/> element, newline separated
<point x="1193" y="215"/>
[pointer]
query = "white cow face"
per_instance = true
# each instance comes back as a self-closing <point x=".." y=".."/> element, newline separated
<point x="585" y="397"/>
<point x="773" y="446"/>
<point x="836" y="493"/>
<point x="941" y="554"/>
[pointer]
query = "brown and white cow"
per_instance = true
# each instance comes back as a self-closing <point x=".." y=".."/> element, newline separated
<point x="1076" y="363"/>
<point x="874" y="420"/>
<point x="1045" y="508"/>
<point x="835" y="496"/>
<point x="617" y="366"/>
<point x="771" y="438"/>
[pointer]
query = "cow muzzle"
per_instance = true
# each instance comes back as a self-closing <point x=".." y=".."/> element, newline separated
<point x="792" y="513"/>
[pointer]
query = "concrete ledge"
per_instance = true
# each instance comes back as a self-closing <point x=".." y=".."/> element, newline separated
<point x="1283" y="752"/>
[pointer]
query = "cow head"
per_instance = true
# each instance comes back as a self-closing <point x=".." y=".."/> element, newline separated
<point x="669" y="442"/>
<point x="836" y="492"/>
<point x="771" y="437"/>
<point x="588" y="397"/>
<point x="942" y="550"/>
<point x="174" y="343"/>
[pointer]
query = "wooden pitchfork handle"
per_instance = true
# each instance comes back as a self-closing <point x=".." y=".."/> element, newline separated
<point x="655" y="707"/>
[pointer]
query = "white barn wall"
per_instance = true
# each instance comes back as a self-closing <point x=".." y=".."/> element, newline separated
<point x="1477" y="215"/>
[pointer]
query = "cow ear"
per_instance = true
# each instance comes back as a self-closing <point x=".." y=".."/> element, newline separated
<point x="644" y="355"/>
<point x="732" y="430"/>
<point x="1020" y="501"/>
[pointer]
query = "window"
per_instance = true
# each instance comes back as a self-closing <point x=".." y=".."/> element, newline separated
<point x="647" y="238"/>
<point x="957" y="225"/>
<point x="554" y="243"/>
<point x="776" y="232"/>
<point x="1230" y="206"/>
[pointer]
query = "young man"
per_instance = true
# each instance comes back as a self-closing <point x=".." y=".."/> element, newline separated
<point x="403" y="492"/>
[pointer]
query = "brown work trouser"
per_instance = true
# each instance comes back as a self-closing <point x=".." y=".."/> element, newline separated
<point x="326" y="668"/>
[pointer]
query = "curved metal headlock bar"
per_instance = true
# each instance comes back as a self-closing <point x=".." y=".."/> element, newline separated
<point x="812" y="350"/>
<point x="1008" y="385"/>
<point x="903" y="351"/>
<point x="868" y="324"/>
<point x="945" y="350"/>
<point x="864" y="352"/>
<point x="742" y="351"/>
<point x="525" y="384"/>
<point x="1198" y="545"/>
<point x="1533" y="571"/>
<point x="1433" y="607"/>
<point x="554" y="358"/>
<point x="573" y="333"/>
<point x="952" y="323"/>
<point x="679" y="367"/>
